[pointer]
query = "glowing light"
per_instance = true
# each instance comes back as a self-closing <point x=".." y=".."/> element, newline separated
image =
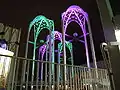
<point x="42" y="50"/>
<point x="67" y="44"/>
<point x="23" y="86"/>
<point x="52" y="86"/>
<point x="76" y="14"/>
<point x="75" y="34"/>
<point x="39" y="23"/>
<point x="57" y="36"/>
<point x="31" y="86"/>
<point x="4" y="65"/>
<point x="117" y="34"/>
<point x="3" y="44"/>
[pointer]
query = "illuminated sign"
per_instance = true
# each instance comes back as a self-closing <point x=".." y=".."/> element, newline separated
<point x="4" y="66"/>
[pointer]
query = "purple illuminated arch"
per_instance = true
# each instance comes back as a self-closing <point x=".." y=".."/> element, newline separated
<point x="76" y="14"/>
<point x="42" y="49"/>
<point x="57" y="36"/>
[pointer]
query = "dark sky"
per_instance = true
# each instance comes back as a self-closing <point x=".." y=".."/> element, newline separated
<point x="19" y="13"/>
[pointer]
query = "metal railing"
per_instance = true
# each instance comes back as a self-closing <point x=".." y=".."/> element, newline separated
<point x="77" y="77"/>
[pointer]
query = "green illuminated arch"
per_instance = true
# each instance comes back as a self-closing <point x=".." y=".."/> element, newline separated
<point x="38" y="24"/>
<point x="60" y="48"/>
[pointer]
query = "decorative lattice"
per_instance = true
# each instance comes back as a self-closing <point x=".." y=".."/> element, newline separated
<point x="76" y="14"/>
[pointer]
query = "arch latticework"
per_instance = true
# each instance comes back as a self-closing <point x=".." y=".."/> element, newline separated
<point x="69" y="46"/>
<point x="57" y="36"/>
<point x="43" y="48"/>
<point x="38" y="24"/>
<point x="76" y="14"/>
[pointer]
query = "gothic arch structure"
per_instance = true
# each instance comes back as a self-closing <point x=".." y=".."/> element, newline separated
<point x="57" y="36"/>
<point x="67" y="45"/>
<point x="76" y="14"/>
<point x="38" y="24"/>
<point x="43" y="48"/>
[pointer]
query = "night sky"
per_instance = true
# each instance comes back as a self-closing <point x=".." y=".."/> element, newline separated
<point x="19" y="13"/>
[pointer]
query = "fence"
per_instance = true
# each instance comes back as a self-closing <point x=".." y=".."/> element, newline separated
<point x="76" y="77"/>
